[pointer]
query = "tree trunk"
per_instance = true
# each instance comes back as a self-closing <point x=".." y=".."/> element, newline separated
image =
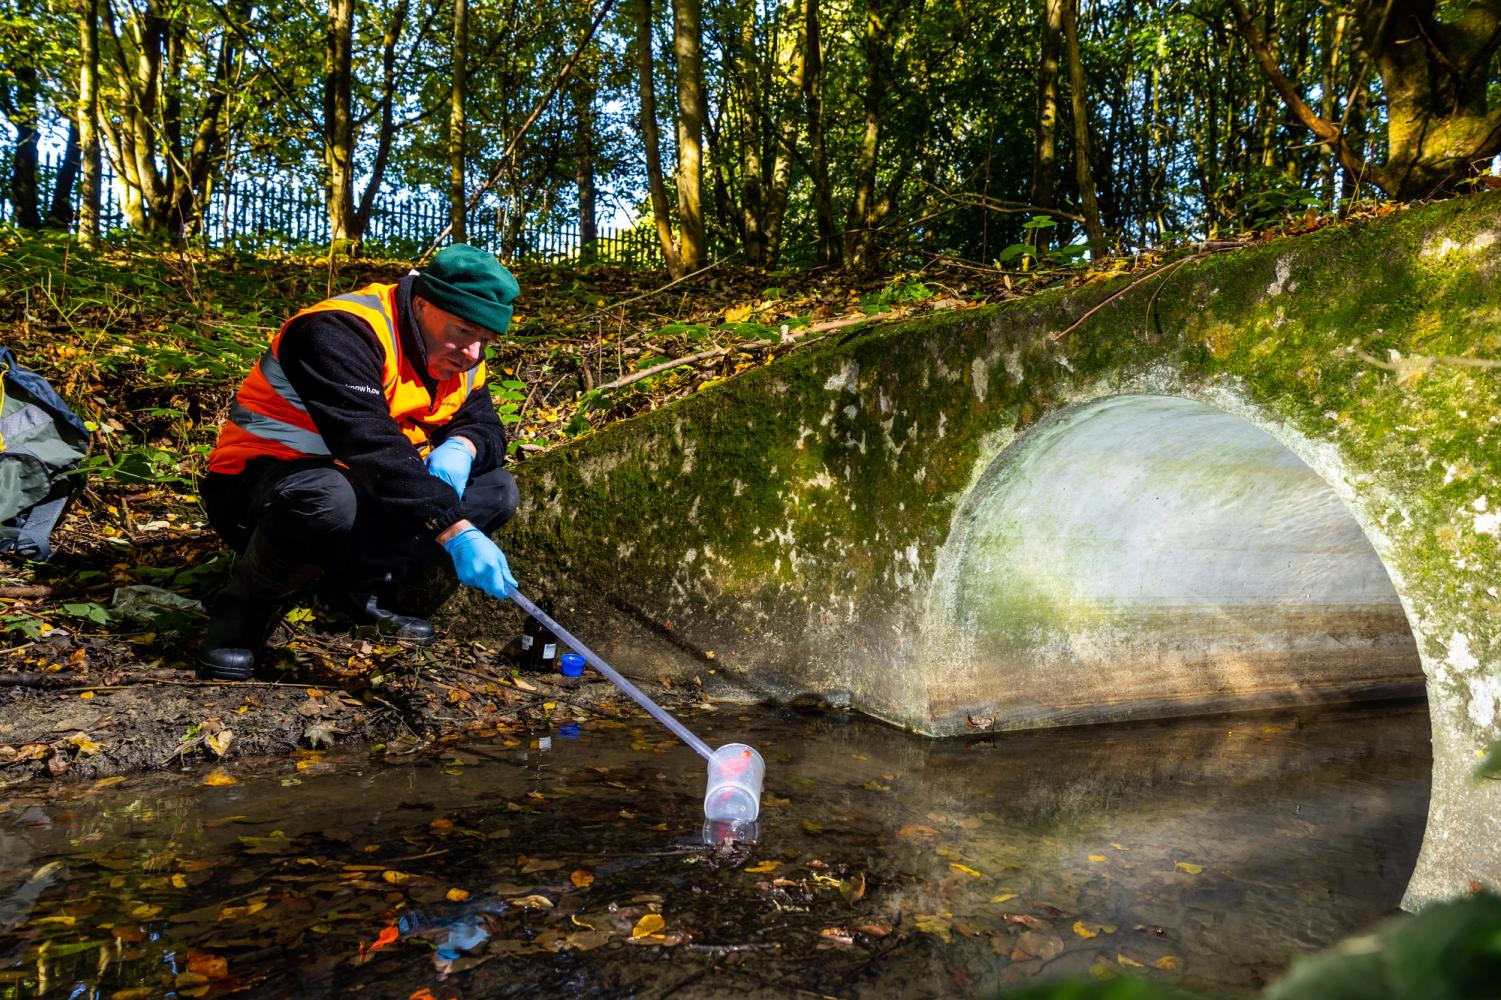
<point x="338" y="125"/>
<point x="687" y="46"/>
<point x="1045" y="148"/>
<point x="1435" y="73"/>
<point x="583" y="175"/>
<point x="863" y="217"/>
<point x="60" y="212"/>
<point x="1083" y="170"/>
<point x="459" y="61"/>
<point x="645" y="44"/>
<point x="90" y="193"/>
<point x="779" y="179"/>
<point x="387" y="133"/>
<point x="813" y="88"/>
<point x="23" y="164"/>
<point x="752" y="194"/>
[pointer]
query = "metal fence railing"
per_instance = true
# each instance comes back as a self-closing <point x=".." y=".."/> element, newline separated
<point x="277" y="211"/>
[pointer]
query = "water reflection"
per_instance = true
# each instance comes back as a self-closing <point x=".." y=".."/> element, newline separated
<point x="1203" y="852"/>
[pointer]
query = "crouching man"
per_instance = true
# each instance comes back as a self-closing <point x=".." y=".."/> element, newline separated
<point x="361" y="445"/>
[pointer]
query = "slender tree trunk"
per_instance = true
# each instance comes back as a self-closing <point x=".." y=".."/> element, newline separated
<point x="1083" y="170"/>
<point x="583" y="175"/>
<point x="747" y="62"/>
<point x="645" y="44"/>
<point x="23" y="164"/>
<point x="338" y="124"/>
<point x="813" y="91"/>
<point x="60" y="213"/>
<point x="863" y="216"/>
<point x="1045" y="149"/>
<point x="779" y="178"/>
<point x="459" y="60"/>
<point x="90" y="193"/>
<point x="687" y="46"/>
<point x="387" y="134"/>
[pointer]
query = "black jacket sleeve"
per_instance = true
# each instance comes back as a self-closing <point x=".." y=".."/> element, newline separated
<point x="333" y="361"/>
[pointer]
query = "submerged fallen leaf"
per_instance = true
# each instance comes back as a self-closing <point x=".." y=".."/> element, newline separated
<point x="456" y="895"/>
<point x="1167" y="963"/>
<point x="1189" y="867"/>
<point x="1004" y="897"/>
<point x="533" y="902"/>
<point x="1095" y="859"/>
<point x="1129" y="963"/>
<point x="651" y="923"/>
<point x="397" y="878"/>
<point x="1083" y="931"/>
<point x="853" y="888"/>
<point x="940" y="924"/>
<point x="966" y="869"/>
<point x="219" y="777"/>
<point x="764" y="867"/>
<point x="838" y="935"/>
<point x="1037" y="944"/>
<point x="581" y="878"/>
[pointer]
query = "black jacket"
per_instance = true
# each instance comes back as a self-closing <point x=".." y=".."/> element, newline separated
<point x="334" y="361"/>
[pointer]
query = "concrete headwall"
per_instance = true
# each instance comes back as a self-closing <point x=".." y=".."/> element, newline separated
<point x="1236" y="483"/>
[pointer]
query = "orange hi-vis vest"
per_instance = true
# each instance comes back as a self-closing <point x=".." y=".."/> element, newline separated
<point x="268" y="418"/>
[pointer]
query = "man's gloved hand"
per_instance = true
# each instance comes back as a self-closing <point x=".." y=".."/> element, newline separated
<point x="451" y="462"/>
<point x="479" y="562"/>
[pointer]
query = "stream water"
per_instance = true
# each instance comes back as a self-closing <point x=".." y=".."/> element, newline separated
<point x="1202" y="852"/>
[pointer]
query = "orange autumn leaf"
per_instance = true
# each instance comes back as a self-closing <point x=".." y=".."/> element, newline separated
<point x="581" y="878"/>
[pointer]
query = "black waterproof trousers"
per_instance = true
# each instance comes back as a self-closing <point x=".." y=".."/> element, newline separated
<point x="315" y="513"/>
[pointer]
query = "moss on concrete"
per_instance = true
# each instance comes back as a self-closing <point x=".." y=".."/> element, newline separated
<point x="792" y="520"/>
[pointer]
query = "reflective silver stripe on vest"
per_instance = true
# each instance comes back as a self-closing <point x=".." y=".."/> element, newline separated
<point x="262" y="426"/>
<point x="469" y="378"/>
<point x="274" y="374"/>
<point x="387" y="331"/>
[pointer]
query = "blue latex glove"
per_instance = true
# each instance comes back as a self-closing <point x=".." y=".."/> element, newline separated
<point x="480" y="563"/>
<point x="451" y="462"/>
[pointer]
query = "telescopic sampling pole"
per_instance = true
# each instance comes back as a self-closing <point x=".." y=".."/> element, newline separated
<point x="653" y="709"/>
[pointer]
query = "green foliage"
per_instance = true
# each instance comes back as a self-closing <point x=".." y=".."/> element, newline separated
<point x="88" y="611"/>
<point x="900" y="291"/>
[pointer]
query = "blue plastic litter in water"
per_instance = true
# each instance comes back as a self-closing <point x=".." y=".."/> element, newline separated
<point x="569" y="730"/>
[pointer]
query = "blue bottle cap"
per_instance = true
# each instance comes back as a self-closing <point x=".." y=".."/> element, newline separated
<point x="572" y="664"/>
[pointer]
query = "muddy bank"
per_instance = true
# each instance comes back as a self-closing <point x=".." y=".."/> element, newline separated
<point x="331" y="689"/>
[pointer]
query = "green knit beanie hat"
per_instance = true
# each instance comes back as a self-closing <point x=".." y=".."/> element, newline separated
<point x="471" y="284"/>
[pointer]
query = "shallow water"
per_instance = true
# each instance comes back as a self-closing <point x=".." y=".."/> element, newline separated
<point x="1200" y="852"/>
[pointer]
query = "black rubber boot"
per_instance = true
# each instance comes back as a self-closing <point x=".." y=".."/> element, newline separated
<point x="367" y="611"/>
<point x="367" y="604"/>
<point x="246" y="609"/>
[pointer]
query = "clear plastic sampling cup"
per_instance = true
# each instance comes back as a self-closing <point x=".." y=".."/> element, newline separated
<point x="735" y="774"/>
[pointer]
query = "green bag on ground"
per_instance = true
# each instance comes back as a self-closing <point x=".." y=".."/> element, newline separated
<point x="41" y="439"/>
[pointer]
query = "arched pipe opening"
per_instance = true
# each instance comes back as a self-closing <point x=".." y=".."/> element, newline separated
<point x="1149" y="556"/>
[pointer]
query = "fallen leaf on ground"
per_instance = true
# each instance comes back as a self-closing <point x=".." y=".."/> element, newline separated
<point x="219" y="742"/>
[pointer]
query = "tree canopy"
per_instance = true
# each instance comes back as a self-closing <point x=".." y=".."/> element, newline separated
<point x="828" y="131"/>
